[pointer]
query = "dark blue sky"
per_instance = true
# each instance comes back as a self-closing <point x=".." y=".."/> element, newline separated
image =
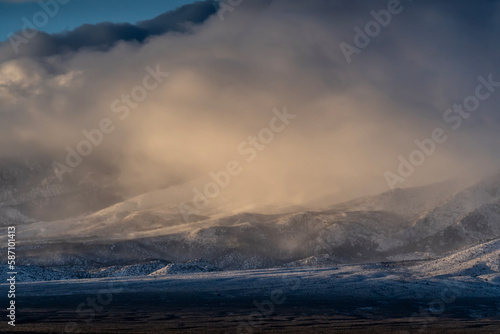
<point x="78" y="12"/>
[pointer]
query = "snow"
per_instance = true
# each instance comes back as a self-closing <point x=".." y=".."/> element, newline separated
<point x="477" y="261"/>
<point x="185" y="268"/>
<point x="376" y="280"/>
<point x="395" y="241"/>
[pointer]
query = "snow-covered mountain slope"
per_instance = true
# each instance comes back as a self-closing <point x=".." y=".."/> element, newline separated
<point x="416" y="223"/>
<point x="197" y="266"/>
<point x="409" y="203"/>
<point x="470" y="273"/>
<point x="238" y="241"/>
<point x="33" y="273"/>
<point x="470" y="215"/>
<point x="478" y="225"/>
<point x="457" y="207"/>
<point x="482" y="260"/>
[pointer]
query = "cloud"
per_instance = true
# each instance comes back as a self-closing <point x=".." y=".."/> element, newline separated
<point x="104" y="36"/>
<point x="353" y="120"/>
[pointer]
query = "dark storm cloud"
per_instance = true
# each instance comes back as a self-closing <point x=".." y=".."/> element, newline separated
<point x="104" y="36"/>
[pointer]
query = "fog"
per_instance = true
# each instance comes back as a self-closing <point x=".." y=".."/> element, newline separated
<point x="230" y="74"/>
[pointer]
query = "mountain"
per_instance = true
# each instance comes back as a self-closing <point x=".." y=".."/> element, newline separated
<point x="409" y="203"/>
<point x="469" y="216"/>
<point x="30" y="190"/>
<point x="402" y="224"/>
<point x="481" y="260"/>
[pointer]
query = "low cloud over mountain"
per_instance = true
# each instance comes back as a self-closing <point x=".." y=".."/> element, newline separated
<point x="176" y="96"/>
